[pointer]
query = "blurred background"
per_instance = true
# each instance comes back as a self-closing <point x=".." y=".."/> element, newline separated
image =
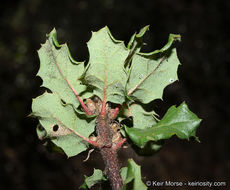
<point x="204" y="75"/>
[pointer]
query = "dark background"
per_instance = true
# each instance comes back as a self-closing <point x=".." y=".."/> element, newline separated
<point x="204" y="52"/>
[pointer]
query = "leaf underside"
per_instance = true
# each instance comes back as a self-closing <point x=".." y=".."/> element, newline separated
<point x="115" y="73"/>
<point x="61" y="122"/>
<point x="148" y="79"/>
<point x="106" y="72"/>
<point x="57" y="67"/>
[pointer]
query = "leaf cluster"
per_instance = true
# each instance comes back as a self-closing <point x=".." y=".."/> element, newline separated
<point x="122" y="76"/>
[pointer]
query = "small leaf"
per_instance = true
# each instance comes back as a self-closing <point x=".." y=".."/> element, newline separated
<point x="132" y="174"/>
<point x="136" y="40"/>
<point x="90" y="181"/>
<point x="142" y="32"/>
<point x="135" y="44"/>
<point x="152" y="72"/>
<point x="59" y="71"/>
<point x="105" y="71"/>
<point x="178" y="121"/>
<point x="61" y="123"/>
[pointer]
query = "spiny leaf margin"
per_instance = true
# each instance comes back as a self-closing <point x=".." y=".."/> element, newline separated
<point x="151" y="72"/>
<point x="132" y="174"/>
<point x="105" y="71"/>
<point x="96" y="177"/>
<point x="50" y="111"/>
<point x="179" y="121"/>
<point x="59" y="72"/>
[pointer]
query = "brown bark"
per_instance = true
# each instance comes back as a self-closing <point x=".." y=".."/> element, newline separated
<point x="112" y="169"/>
<point x="108" y="151"/>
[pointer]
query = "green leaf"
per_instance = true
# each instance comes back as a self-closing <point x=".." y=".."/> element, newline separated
<point x="172" y="38"/>
<point x="59" y="71"/>
<point x="135" y="44"/>
<point x="152" y="72"/>
<point x="105" y="71"/>
<point x="90" y="181"/>
<point x="61" y="123"/>
<point x="132" y="174"/>
<point x="178" y="121"/>
<point x="141" y="118"/>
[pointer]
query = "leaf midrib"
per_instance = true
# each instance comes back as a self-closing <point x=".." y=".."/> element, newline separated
<point x="132" y="90"/>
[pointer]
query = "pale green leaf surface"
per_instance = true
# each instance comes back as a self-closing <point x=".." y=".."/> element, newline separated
<point x="96" y="177"/>
<point x="56" y="65"/>
<point x="141" y="118"/>
<point x="106" y="66"/>
<point x="132" y="173"/>
<point x="50" y="111"/>
<point x="179" y="121"/>
<point x="151" y="74"/>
